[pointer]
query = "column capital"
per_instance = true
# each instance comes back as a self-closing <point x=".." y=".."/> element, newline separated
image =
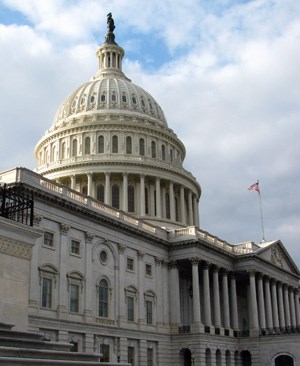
<point x="251" y="273"/>
<point x="173" y="264"/>
<point x="215" y="268"/>
<point x="64" y="228"/>
<point x="125" y="174"/>
<point x="224" y="272"/>
<point x="107" y="174"/>
<point x="158" y="261"/>
<point x="89" y="237"/>
<point x="205" y="265"/>
<point x="266" y="278"/>
<point x="121" y="248"/>
<point x="140" y="254"/>
<point x="195" y="260"/>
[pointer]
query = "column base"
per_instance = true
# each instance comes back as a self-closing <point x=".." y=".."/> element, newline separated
<point x="254" y="332"/>
<point x="62" y="312"/>
<point x="197" y="328"/>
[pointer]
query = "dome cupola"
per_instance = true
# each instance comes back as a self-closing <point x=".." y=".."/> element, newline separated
<point x="110" y="140"/>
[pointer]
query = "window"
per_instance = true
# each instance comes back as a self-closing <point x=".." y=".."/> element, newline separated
<point x="130" y="308"/>
<point x="87" y="145"/>
<point x="75" y="247"/>
<point x="48" y="239"/>
<point x="133" y="98"/>
<point x="103" y="298"/>
<point x="149" y="312"/>
<point x="100" y="144"/>
<point x="167" y="205"/>
<point x="74" y="298"/>
<point x="163" y="152"/>
<point x="128" y="145"/>
<point x="113" y="98"/>
<point x="115" y="196"/>
<point x="148" y="270"/>
<point x="100" y="193"/>
<point x="74" y="150"/>
<point x="130" y="264"/>
<point x="142" y="147"/>
<point x="124" y="99"/>
<point x="47" y="293"/>
<point x="130" y="352"/>
<point x="103" y="257"/>
<point x="103" y="98"/>
<point x="171" y="155"/>
<point x="74" y="347"/>
<point x="104" y="350"/>
<point x="92" y="99"/>
<point x="153" y="149"/>
<point x="115" y="144"/>
<point x="149" y="356"/>
<point x="130" y="199"/>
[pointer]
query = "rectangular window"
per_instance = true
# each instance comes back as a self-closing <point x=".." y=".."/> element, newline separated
<point x="47" y="293"/>
<point x="149" y="357"/>
<point x="104" y="350"/>
<point x="130" y="355"/>
<point x="149" y="312"/>
<point x="148" y="270"/>
<point x="130" y="308"/>
<point x="130" y="264"/>
<point x="74" y="298"/>
<point x="75" y="247"/>
<point x="48" y="239"/>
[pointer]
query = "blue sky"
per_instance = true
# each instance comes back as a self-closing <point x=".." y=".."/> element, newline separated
<point x="226" y="73"/>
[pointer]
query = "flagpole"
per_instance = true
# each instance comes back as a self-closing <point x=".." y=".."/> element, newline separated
<point x="261" y="217"/>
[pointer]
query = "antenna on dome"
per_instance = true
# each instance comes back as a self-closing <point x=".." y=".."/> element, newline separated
<point x="110" y="37"/>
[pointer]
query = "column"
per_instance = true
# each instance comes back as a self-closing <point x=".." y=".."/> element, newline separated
<point x="196" y="214"/>
<point x="90" y="184"/>
<point x="182" y="205"/>
<point x="292" y="307"/>
<point x="141" y="275"/>
<point x="142" y="194"/>
<point x="216" y="290"/>
<point x="160" y="291"/>
<point x="107" y="198"/>
<point x="261" y="302"/>
<point x="281" y="306"/>
<point x="196" y="291"/>
<point x="274" y="304"/>
<point x="286" y="306"/>
<point x="73" y="182"/>
<point x="89" y="290"/>
<point x="174" y="296"/>
<point x="225" y="299"/>
<point x="158" y="199"/>
<point x="268" y="303"/>
<point x="121" y="316"/>
<point x="125" y="192"/>
<point x="206" y="288"/>
<point x="190" y="204"/>
<point x="253" y="301"/>
<point x="163" y="202"/>
<point x="296" y="298"/>
<point x="62" y="308"/>
<point x="233" y="297"/>
<point x="172" y="201"/>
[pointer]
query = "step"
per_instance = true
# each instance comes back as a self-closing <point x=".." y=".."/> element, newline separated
<point x="14" y="361"/>
<point x="36" y="344"/>
<point x="7" y="326"/>
<point x="18" y="334"/>
<point x="47" y="354"/>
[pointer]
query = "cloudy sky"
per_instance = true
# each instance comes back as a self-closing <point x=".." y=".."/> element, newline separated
<point x="225" y="72"/>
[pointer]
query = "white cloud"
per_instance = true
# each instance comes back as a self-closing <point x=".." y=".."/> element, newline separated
<point x="231" y="94"/>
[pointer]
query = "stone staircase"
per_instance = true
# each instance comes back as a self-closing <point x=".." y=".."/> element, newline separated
<point x="28" y="348"/>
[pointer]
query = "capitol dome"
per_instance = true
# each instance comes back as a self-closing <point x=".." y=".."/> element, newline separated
<point x="110" y="140"/>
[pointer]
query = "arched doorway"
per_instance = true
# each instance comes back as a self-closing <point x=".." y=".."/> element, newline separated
<point x="246" y="358"/>
<point x="284" y="360"/>
<point x="186" y="357"/>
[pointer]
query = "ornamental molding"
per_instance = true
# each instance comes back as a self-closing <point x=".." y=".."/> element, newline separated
<point x="15" y="248"/>
<point x="64" y="228"/>
<point x="37" y="220"/>
<point x="89" y="237"/>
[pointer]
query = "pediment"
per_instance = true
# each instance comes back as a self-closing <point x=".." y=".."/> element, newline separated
<point x="276" y="253"/>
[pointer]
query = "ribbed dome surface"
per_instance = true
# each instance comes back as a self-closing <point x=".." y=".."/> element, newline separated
<point x="103" y="94"/>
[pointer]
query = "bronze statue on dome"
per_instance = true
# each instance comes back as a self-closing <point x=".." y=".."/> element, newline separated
<point x="110" y="23"/>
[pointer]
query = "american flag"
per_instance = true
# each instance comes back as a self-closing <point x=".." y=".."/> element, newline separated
<point x="254" y="187"/>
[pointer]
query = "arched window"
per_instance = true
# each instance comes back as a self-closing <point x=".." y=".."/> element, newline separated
<point x="163" y="152"/>
<point x="115" y="144"/>
<point x="63" y="150"/>
<point x="171" y="155"/>
<point x="74" y="148"/>
<point x="100" y="193"/>
<point x="207" y="357"/>
<point x="218" y="358"/>
<point x="53" y="153"/>
<point x="153" y="149"/>
<point x="228" y="358"/>
<point x="100" y="144"/>
<point x="130" y="199"/>
<point x="146" y="202"/>
<point x="103" y="298"/>
<point x="87" y="145"/>
<point x="128" y="145"/>
<point x="115" y="196"/>
<point x="167" y="205"/>
<point x="142" y="147"/>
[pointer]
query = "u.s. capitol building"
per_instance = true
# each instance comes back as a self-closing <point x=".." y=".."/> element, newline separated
<point x="112" y="258"/>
